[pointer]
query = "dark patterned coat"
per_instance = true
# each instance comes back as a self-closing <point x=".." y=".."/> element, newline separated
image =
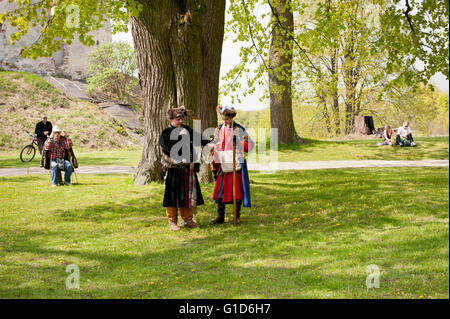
<point x="177" y="178"/>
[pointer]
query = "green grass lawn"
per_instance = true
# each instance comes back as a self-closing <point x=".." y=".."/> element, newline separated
<point x="120" y="157"/>
<point x="428" y="148"/>
<point x="313" y="150"/>
<point x="309" y="234"/>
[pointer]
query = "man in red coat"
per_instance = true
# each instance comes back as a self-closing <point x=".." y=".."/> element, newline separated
<point x="223" y="165"/>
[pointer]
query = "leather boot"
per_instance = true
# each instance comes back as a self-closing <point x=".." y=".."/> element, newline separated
<point x="186" y="214"/>
<point x="172" y="215"/>
<point x="238" y="213"/>
<point x="220" y="219"/>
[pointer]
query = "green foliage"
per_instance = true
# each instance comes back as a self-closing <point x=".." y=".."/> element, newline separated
<point x="111" y="72"/>
<point x="426" y="110"/>
<point x="353" y="51"/>
<point x="70" y="18"/>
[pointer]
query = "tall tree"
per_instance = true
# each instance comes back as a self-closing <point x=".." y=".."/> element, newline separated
<point x="271" y="43"/>
<point x="348" y="49"/>
<point x="280" y="72"/>
<point x="178" y="45"/>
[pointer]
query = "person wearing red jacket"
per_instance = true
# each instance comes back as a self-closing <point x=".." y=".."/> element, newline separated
<point x="222" y="165"/>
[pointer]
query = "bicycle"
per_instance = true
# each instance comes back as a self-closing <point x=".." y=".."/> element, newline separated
<point x="28" y="153"/>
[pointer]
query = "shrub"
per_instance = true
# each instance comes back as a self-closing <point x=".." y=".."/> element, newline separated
<point x="111" y="74"/>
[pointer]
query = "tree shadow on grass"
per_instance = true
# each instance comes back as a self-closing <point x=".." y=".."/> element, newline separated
<point x="23" y="179"/>
<point x="229" y="265"/>
<point x="93" y="160"/>
<point x="285" y="247"/>
<point x="17" y="163"/>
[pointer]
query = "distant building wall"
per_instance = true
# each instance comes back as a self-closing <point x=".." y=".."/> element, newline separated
<point x="70" y="62"/>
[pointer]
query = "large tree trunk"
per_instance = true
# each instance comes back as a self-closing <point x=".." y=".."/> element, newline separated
<point x="280" y="75"/>
<point x="174" y="50"/>
<point x="213" y="35"/>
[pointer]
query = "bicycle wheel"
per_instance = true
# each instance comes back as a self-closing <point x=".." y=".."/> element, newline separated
<point x="27" y="154"/>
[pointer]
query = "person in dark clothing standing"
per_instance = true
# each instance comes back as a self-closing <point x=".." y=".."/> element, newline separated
<point x="179" y="169"/>
<point x="43" y="130"/>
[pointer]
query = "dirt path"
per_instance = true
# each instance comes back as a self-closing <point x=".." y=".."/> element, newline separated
<point x="279" y="166"/>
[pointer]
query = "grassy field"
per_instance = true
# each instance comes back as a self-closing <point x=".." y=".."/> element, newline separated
<point x="313" y="150"/>
<point x="309" y="234"/>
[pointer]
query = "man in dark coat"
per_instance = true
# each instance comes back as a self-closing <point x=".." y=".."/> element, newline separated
<point x="182" y="190"/>
<point x="43" y="130"/>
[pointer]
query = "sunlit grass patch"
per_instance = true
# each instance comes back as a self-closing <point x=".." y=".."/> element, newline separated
<point x="309" y="234"/>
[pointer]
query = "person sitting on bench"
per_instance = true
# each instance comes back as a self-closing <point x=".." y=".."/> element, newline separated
<point x="58" y="156"/>
<point x="404" y="136"/>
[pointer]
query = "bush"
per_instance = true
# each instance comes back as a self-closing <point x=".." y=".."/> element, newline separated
<point x="111" y="74"/>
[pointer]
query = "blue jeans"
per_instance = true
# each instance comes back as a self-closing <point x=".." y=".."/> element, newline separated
<point x="56" y="171"/>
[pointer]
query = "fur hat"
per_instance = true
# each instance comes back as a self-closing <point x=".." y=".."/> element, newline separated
<point x="227" y="110"/>
<point x="176" y="113"/>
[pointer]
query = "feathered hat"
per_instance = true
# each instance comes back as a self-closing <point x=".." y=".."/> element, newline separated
<point x="227" y="110"/>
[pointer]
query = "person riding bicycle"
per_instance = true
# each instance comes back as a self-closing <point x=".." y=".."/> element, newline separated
<point x="58" y="155"/>
<point x="42" y="131"/>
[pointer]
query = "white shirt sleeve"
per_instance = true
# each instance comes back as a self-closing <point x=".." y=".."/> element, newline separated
<point x="402" y="132"/>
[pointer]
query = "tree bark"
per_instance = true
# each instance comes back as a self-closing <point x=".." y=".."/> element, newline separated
<point x="323" y="105"/>
<point x="213" y="35"/>
<point x="280" y="73"/>
<point x="335" y="92"/>
<point x="174" y="50"/>
<point x="350" y="83"/>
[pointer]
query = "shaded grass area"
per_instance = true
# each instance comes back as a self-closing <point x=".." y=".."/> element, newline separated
<point x="309" y="234"/>
<point x="313" y="150"/>
<point x="120" y="157"/>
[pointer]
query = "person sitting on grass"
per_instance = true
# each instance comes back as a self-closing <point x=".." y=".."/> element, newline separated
<point x="404" y="136"/>
<point x="58" y="156"/>
<point x="388" y="136"/>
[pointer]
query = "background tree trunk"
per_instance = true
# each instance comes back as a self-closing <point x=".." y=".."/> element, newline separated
<point x="335" y="92"/>
<point x="175" y="47"/>
<point x="280" y="74"/>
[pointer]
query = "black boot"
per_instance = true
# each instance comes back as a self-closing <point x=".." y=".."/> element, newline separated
<point x="238" y="213"/>
<point x="220" y="219"/>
